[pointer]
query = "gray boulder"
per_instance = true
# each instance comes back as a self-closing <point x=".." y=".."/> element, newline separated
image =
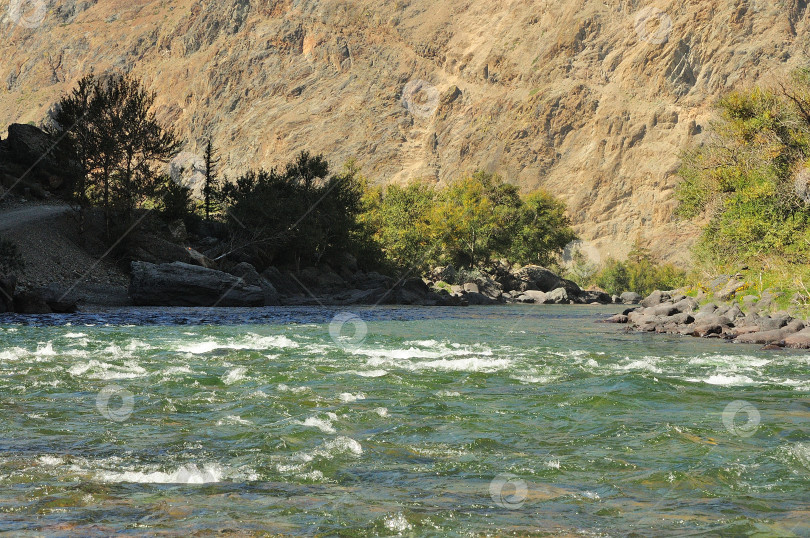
<point x="558" y="296"/>
<point x="248" y="273"/>
<point x="283" y="283"/>
<point x="182" y="284"/>
<point x="594" y="296"/>
<point x="799" y="340"/>
<point x="655" y="298"/>
<point x="630" y="297"/>
<point x="540" y="278"/>
<point x="531" y="296"/>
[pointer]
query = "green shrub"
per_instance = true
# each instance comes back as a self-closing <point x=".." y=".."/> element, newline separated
<point x="639" y="273"/>
<point x="745" y="181"/>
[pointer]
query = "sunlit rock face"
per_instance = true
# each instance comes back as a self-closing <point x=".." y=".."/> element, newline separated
<point x="592" y="100"/>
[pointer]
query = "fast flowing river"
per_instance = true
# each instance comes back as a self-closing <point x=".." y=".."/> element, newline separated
<point x="395" y="421"/>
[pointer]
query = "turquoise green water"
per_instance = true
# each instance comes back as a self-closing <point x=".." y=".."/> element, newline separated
<point x="445" y="422"/>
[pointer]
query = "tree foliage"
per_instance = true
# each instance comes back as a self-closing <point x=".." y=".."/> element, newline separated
<point x="299" y="216"/>
<point x="639" y="273"/>
<point x="750" y="180"/>
<point x="470" y="222"/>
<point x="113" y="143"/>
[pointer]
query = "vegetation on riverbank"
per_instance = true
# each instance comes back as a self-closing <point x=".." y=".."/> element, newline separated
<point x="114" y="150"/>
<point x="751" y="183"/>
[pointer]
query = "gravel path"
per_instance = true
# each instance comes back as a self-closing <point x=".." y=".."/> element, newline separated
<point x="24" y="215"/>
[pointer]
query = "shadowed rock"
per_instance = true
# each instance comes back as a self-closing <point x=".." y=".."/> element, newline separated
<point x="182" y="284"/>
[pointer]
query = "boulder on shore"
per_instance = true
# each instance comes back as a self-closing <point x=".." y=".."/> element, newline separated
<point x="182" y="284"/>
<point x="535" y="277"/>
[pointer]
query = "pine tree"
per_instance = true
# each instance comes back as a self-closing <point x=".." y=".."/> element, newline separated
<point x="212" y="159"/>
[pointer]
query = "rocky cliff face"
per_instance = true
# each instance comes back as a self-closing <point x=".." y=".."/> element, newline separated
<point x="590" y="99"/>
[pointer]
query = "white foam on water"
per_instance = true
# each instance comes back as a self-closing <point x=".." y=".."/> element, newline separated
<point x="795" y="383"/>
<point x="75" y="335"/>
<point x="423" y="343"/>
<point x="340" y="445"/>
<point x="45" y="351"/>
<point x="467" y="364"/>
<point x="96" y="369"/>
<point x="315" y="422"/>
<point x="295" y="390"/>
<point x="397" y="523"/>
<point x="237" y="374"/>
<point x="50" y="460"/>
<point x="199" y="348"/>
<point x="535" y="379"/>
<point x="175" y="370"/>
<point x="137" y="345"/>
<point x="727" y="380"/>
<point x="736" y="361"/>
<point x="233" y="419"/>
<point x="382" y="411"/>
<point x="347" y="397"/>
<point x="448" y="394"/>
<point x="250" y="341"/>
<point x="801" y="451"/>
<point x="369" y="373"/>
<point x="13" y="354"/>
<point x="648" y="364"/>
<point x="436" y="350"/>
<point x="591" y="495"/>
<point x="187" y="474"/>
<point x="553" y="464"/>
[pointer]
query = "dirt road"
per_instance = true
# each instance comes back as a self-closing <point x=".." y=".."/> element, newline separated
<point x="12" y="218"/>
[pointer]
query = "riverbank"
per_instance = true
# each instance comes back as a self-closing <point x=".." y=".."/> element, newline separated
<point x="676" y="313"/>
<point x="68" y="267"/>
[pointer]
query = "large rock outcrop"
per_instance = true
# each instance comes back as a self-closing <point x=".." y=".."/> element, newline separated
<point x="590" y="99"/>
<point x="182" y="284"/>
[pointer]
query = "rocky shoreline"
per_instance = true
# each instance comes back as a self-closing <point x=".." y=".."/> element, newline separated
<point x="676" y="313"/>
<point x="204" y="284"/>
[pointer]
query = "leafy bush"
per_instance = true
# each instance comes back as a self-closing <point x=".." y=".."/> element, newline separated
<point x="472" y="221"/>
<point x="299" y="216"/>
<point x="639" y="274"/>
<point x="749" y="179"/>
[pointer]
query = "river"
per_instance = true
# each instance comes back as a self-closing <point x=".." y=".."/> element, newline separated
<point x="527" y="420"/>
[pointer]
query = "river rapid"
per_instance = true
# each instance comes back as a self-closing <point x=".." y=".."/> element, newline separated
<point x="528" y="420"/>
